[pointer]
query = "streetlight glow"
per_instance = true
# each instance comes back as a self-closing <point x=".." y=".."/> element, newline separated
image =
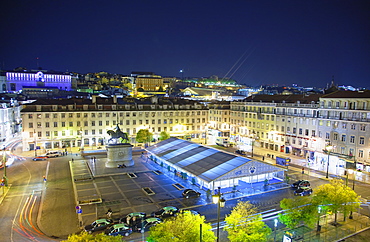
<point x="220" y="204"/>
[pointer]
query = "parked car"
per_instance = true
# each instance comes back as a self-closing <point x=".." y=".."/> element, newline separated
<point x="165" y="212"/>
<point x="37" y="158"/>
<point x="99" y="224"/>
<point x="148" y="223"/>
<point x="52" y="154"/>
<point x="136" y="215"/>
<point x="241" y="152"/>
<point x="303" y="191"/>
<point x="133" y="220"/>
<point x="301" y="183"/>
<point x="190" y="211"/>
<point x="190" y="193"/>
<point x="119" y="229"/>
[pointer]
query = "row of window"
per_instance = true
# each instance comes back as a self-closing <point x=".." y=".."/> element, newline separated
<point x="121" y="122"/>
<point x="343" y="138"/>
<point x="121" y="114"/>
<point x="100" y="131"/>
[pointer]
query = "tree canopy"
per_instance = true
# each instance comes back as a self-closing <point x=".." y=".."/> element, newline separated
<point x="164" y="135"/>
<point x="86" y="237"/>
<point x="337" y="197"/>
<point x="183" y="228"/>
<point x="297" y="210"/>
<point x="245" y="225"/>
<point x="144" y="136"/>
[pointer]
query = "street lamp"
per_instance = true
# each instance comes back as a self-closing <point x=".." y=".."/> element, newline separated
<point x="353" y="184"/>
<point x="318" y="229"/>
<point x="82" y="142"/>
<point x="275" y="225"/>
<point x="220" y="204"/>
<point x="35" y="148"/>
<point x="328" y="149"/>
<point x="5" y="179"/>
<point x="252" y="140"/>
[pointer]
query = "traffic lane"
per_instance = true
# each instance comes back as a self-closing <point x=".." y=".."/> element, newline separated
<point x="25" y="181"/>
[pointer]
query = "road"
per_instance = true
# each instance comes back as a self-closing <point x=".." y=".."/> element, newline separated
<point x="21" y="211"/>
<point x="22" y="219"/>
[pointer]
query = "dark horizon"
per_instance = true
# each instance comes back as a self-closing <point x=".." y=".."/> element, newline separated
<point x="253" y="42"/>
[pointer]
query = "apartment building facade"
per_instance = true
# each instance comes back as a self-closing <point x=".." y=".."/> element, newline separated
<point x="10" y="120"/>
<point x="51" y="123"/>
<point x="310" y="126"/>
<point x="344" y="124"/>
<point x="315" y="127"/>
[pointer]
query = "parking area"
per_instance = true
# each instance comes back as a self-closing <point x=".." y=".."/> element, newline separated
<point x="123" y="189"/>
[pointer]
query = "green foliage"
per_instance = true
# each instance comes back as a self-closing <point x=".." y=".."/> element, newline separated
<point x="297" y="210"/>
<point x="86" y="237"/>
<point x="164" y="135"/>
<point x="244" y="225"/>
<point x="144" y="136"/>
<point x="337" y="197"/>
<point x="183" y="228"/>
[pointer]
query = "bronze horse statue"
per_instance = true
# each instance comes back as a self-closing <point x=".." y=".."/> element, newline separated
<point x="118" y="135"/>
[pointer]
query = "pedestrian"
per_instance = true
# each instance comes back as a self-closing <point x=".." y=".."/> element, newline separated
<point x="44" y="178"/>
<point x="72" y="160"/>
<point x="109" y="213"/>
<point x="263" y="158"/>
<point x="302" y="170"/>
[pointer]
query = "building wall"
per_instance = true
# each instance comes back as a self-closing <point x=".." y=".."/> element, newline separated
<point x="10" y="120"/>
<point x="290" y="128"/>
<point x="17" y="80"/>
<point x="90" y="123"/>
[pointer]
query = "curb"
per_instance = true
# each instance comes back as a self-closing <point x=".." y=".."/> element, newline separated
<point x="5" y="193"/>
<point x="348" y="236"/>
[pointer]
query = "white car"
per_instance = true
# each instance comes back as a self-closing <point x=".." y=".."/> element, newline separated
<point x="52" y="154"/>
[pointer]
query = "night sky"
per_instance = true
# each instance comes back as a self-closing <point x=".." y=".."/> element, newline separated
<point x="254" y="42"/>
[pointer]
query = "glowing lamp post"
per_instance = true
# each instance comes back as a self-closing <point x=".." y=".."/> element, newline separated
<point x="220" y="201"/>
<point x="35" y="141"/>
<point x="275" y="225"/>
<point x="318" y="229"/>
<point x="328" y="149"/>
<point x="353" y="184"/>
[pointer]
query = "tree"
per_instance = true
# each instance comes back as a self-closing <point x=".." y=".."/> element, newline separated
<point x="86" y="237"/>
<point x="164" y="135"/>
<point x="244" y="224"/>
<point x="144" y="136"/>
<point x="185" y="227"/>
<point x="297" y="210"/>
<point x="337" y="197"/>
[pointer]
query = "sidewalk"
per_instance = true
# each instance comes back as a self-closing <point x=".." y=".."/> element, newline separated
<point x="328" y="232"/>
<point x="319" y="171"/>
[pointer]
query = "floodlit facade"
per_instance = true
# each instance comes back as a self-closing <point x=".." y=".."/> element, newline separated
<point x="343" y="126"/>
<point x="309" y="126"/>
<point x="10" y="120"/>
<point x="51" y="123"/>
<point x="17" y="80"/>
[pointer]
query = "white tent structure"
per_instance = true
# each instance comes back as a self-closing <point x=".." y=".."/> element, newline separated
<point x="210" y="168"/>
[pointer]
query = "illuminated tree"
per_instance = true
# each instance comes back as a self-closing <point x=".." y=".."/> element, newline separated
<point x="164" y="135"/>
<point x="144" y="136"/>
<point x="86" y="237"/>
<point x="297" y="210"/>
<point x="244" y="224"/>
<point x="337" y="197"/>
<point x="183" y="228"/>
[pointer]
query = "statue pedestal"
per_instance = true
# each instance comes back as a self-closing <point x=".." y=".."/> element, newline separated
<point x="118" y="154"/>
